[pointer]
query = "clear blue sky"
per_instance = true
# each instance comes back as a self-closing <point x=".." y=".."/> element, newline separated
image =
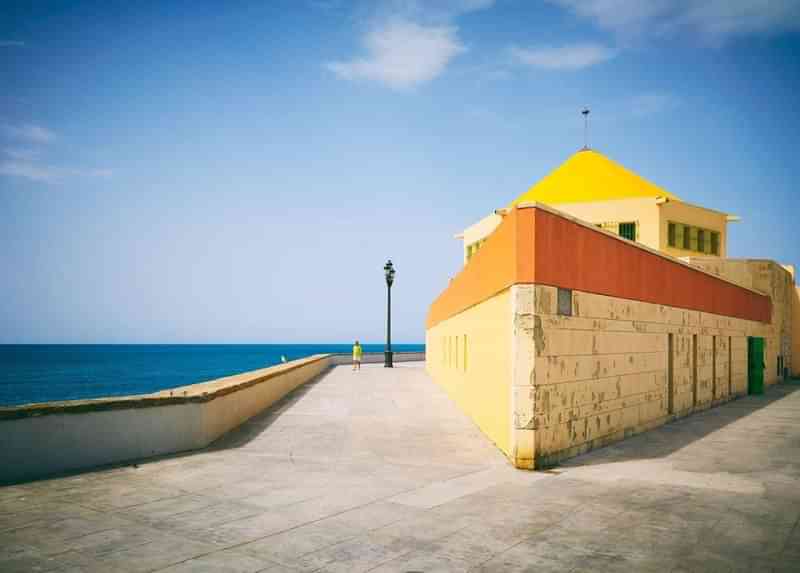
<point x="240" y="171"/>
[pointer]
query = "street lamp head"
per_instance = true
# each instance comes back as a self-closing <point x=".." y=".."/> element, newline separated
<point x="388" y="270"/>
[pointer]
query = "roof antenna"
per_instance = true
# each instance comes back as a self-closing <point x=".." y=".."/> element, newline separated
<point x="585" y="114"/>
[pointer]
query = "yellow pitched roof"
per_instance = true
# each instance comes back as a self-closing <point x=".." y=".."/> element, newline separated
<point x="590" y="176"/>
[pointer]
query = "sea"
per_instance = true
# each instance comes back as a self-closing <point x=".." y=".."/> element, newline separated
<point x="45" y="373"/>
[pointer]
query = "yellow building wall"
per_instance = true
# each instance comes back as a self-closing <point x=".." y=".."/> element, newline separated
<point x="469" y="355"/>
<point x="643" y="211"/>
<point x="479" y="231"/>
<point x="602" y="374"/>
<point x="679" y="212"/>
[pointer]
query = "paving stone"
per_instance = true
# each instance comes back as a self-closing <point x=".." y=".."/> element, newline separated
<point x="378" y="470"/>
<point x="224" y="562"/>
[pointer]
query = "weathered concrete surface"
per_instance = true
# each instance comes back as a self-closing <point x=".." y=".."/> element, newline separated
<point x="379" y="471"/>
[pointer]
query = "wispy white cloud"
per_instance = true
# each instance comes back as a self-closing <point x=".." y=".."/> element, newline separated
<point x="11" y="44"/>
<point x="717" y="20"/>
<point x="43" y="173"/>
<point x="26" y="162"/>
<point x="567" y="57"/>
<point x="29" y="132"/>
<point x="402" y="54"/>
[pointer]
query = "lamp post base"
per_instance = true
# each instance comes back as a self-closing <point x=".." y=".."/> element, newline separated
<point x="387" y="359"/>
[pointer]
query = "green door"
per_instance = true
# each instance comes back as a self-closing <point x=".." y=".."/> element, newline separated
<point x="755" y="365"/>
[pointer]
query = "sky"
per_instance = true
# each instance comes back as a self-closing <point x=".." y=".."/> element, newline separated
<point x="239" y="172"/>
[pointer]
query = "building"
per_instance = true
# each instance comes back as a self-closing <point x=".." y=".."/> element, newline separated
<point x="574" y="323"/>
<point x="595" y="189"/>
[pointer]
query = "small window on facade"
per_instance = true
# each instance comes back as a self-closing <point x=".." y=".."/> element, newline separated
<point x="565" y="302"/>
<point x="465" y="353"/>
<point x="678" y="235"/>
<point x="714" y="243"/>
<point x="628" y="231"/>
<point x="671" y="235"/>
<point x="693" y="238"/>
<point x="701" y="240"/>
<point x="687" y="237"/>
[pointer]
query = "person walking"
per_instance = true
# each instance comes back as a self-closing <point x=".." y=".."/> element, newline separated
<point x="357" y="352"/>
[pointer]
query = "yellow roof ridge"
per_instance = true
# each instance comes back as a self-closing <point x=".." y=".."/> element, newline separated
<point x="590" y="176"/>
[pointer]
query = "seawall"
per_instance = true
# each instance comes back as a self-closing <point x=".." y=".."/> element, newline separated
<point x="52" y="438"/>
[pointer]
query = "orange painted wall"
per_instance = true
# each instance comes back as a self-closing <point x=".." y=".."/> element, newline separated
<point x="506" y="259"/>
<point x="535" y="246"/>
<point x="576" y="257"/>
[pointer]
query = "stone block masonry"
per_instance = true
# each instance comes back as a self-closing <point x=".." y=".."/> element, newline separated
<point x="587" y="338"/>
<point x="604" y="373"/>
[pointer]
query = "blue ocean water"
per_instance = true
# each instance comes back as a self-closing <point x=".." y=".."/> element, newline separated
<point x="44" y="373"/>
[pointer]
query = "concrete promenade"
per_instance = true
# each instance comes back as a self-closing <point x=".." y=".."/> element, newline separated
<point x="379" y="471"/>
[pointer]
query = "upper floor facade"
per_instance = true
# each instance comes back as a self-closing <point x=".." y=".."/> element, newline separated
<point x="595" y="189"/>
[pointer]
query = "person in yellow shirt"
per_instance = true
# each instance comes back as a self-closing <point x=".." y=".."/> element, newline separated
<point x="357" y="352"/>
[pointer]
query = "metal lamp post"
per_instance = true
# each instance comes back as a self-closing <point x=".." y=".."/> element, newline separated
<point x="388" y="270"/>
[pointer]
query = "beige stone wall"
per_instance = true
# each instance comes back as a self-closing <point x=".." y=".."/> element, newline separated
<point x="602" y="374"/>
<point x="775" y="281"/>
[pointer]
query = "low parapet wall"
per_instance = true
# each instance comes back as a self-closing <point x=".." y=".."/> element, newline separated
<point x="378" y="358"/>
<point x="41" y="440"/>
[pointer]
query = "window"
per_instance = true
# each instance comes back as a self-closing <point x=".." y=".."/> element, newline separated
<point x="679" y="235"/>
<point x="628" y="231"/>
<point x="565" y="302"/>
<point x="691" y="238"/>
<point x="465" y="353"/>
<point x="474" y="248"/>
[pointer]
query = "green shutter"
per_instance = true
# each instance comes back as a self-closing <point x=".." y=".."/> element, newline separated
<point x="679" y="235"/>
<point x="628" y="231"/>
